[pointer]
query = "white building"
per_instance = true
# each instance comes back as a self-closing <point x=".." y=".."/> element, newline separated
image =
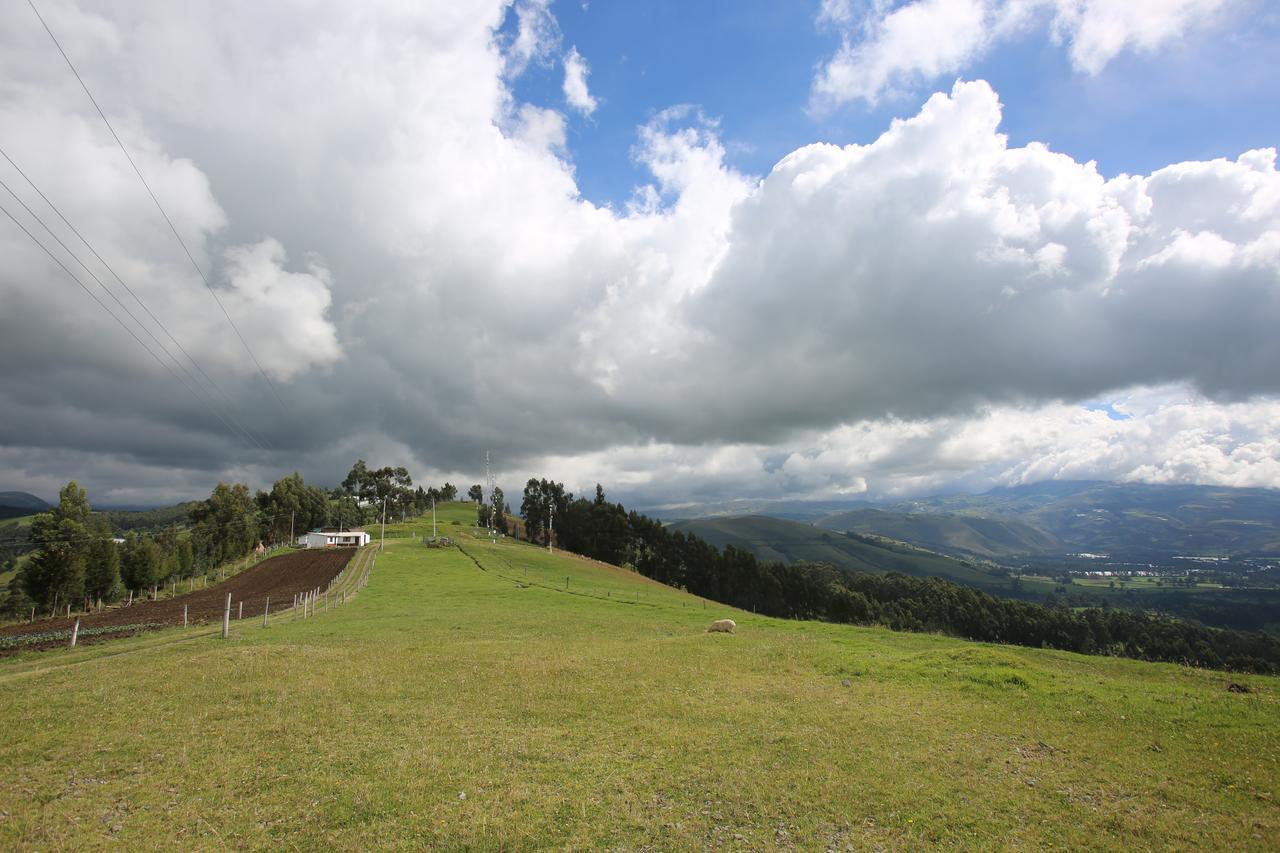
<point x="334" y="539"/>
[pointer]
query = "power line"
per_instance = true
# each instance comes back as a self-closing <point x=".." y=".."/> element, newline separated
<point x="125" y="308"/>
<point x="104" y="307"/>
<point x="159" y="206"/>
<point x="244" y="430"/>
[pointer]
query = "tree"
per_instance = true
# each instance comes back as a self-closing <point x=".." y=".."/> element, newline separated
<point x="140" y="561"/>
<point x="102" y="565"/>
<point x="541" y="500"/>
<point x="186" y="557"/>
<point x="357" y="480"/>
<point x="61" y="537"/>
<point x="496" y="506"/>
<point x="345" y="512"/>
<point x="476" y="493"/>
<point x="225" y="526"/>
<point x="292" y="505"/>
<point x="448" y="492"/>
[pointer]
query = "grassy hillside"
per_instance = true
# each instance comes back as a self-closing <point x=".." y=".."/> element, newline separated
<point x="13" y="526"/>
<point x="952" y="534"/>
<point x="792" y="541"/>
<point x="466" y="698"/>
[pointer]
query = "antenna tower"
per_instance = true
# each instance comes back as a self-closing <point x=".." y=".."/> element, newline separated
<point x="489" y="482"/>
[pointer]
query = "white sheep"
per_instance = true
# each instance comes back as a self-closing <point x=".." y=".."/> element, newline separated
<point x="724" y="625"/>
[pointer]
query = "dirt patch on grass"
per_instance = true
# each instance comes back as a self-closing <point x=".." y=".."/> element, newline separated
<point x="278" y="578"/>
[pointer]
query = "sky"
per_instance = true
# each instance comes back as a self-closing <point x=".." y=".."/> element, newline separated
<point x="689" y="251"/>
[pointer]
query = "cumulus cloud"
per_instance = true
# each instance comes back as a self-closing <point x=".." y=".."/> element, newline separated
<point x="537" y="35"/>
<point x="416" y="268"/>
<point x="937" y="269"/>
<point x="575" y="83"/>
<point x="897" y="47"/>
<point x="283" y="312"/>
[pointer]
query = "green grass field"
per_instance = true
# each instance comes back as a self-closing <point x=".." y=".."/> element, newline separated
<point x="467" y="699"/>
<point x="1148" y="584"/>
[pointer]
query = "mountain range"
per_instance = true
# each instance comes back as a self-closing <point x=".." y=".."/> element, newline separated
<point x="1133" y="521"/>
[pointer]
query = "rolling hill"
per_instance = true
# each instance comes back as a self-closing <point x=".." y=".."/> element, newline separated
<point x="495" y="696"/>
<point x="17" y="504"/>
<point x="793" y="541"/>
<point x="950" y="533"/>
<point x="1134" y="521"/>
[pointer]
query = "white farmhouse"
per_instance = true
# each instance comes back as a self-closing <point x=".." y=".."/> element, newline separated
<point x="330" y="538"/>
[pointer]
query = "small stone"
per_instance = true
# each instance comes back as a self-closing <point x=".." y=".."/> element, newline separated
<point x="462" y="795"/>
<point x="116" y="827"/>
<point x="845" y="682"/>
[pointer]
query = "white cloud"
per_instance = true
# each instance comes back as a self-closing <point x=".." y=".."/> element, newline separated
<point x="575" y="83"/>
<point x="1172" y="438"/>
<point x="920" y="41"/>
<point x="896" y="47"/>
<point x="283" y="313"/>
<point x="536" y="38"/>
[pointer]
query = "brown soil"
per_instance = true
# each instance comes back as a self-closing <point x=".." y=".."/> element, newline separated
<point x="277" y="578"/>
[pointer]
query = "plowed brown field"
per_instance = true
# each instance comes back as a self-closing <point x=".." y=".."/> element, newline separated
<point x="277" y="578"/>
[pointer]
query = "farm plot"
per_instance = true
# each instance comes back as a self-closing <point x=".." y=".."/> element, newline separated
<point x="278" y="579"/>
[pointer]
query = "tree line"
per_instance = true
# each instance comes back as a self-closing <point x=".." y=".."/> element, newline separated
<point x="73" y="554"/>
<point x="608" y="532"/>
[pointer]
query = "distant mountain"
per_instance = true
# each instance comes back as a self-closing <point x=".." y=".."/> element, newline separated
<point x="1134" y="523"/>
<point x="23" y="500"/>
<point x="1131" y="519"/>
<point x="794" y="510"/>
<point x="793" y="541"/>
<point x="15" y="504"/>
<point x="949" y="533"/>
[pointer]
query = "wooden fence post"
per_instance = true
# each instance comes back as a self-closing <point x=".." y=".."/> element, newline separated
<point x="226" y="619"/>
<point x="75" y="632"/>
<point x="184" y="616"/>
<point x="265" y="610"/>
<point x="241" y="614"/>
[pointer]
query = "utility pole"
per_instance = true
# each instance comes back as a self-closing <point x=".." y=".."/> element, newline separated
<point x="384" y="524"/>
<point x="291" y="540"/>
<point x="551" y="525"/>
<point x="433" y="518"/>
